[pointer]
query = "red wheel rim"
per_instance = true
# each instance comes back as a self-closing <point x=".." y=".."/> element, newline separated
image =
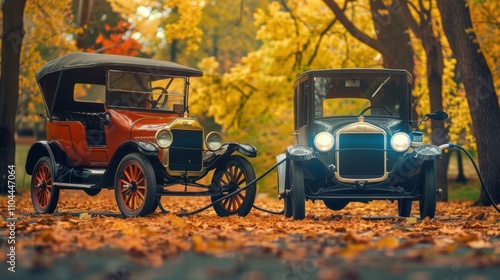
<point x="43" y="185"/>
<point x="132" y="186"/>
<point x="235" y="178"/>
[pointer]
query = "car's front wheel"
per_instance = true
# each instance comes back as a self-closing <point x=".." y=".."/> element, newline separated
<point x="428" y="200"/>
<point x="234" y="175"/>
<point x="44" y="195"/>
<point x="297" y="190"/>
<point x="135" y="186"/>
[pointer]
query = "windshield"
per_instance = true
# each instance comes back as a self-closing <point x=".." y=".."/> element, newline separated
<point x="350" y="95"/>
<point x="146" y="91"/>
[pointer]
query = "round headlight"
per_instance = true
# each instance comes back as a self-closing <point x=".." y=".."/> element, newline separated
<point x="400" y="142"/>
<point x="164" y="138"/>
<point x="324" y="141"/>
<point x="213" y="141"/>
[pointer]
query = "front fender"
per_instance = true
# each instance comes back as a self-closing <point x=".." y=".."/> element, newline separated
<point x="244" y="149"/>
<point x="213" y="158"/>
<point x="148" y="149"/>
<point x="299" y="153"/>
<point x="428" y="152"/>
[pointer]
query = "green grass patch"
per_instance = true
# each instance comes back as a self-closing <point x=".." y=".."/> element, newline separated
<point x="467" y="191"/>
<point x="22" y="179"/>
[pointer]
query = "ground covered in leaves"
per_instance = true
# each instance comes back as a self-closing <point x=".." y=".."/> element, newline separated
<point x="87" y="239"/>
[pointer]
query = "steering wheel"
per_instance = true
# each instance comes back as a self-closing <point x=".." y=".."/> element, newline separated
<point x="154" y="103"/>
<point x="376" y="106"/>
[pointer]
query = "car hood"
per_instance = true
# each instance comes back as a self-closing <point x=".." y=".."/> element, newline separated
<point x="142" y="120"/>
<point x="390" y="125"/>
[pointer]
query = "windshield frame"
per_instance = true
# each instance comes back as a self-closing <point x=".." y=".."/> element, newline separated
<point x="144" y="86"/>
<point x="375" y="88"/>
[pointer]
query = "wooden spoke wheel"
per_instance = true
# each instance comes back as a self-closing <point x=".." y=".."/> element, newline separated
<point x="44" y="196"/>
<point x="234" y="175"/>
<point x="135" y="186"/>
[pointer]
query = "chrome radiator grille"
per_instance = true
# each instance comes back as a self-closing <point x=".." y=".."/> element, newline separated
<point x="186" y="151"/>
<point x="361" y="156"/>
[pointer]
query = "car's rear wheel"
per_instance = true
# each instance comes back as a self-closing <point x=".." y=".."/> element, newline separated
<point x="297" y="190"/>
<point x="234" y="175"/>
<point x="335" y="204"/>
<point x="404" y="207"/>
<point x="44" y="195"/>
<point x="135" y="186"/>
<point x="428" y="200"/>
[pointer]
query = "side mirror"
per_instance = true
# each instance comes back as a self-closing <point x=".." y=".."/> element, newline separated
<point x="438" y="115"/>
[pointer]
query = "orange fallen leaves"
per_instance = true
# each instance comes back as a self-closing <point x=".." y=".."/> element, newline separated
<point x="92" y="223"/>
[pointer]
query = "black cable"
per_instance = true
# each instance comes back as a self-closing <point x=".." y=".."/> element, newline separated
<point x="478" y="174"/>
<point x="270" y="211"/>
<point x="234" y="193"/>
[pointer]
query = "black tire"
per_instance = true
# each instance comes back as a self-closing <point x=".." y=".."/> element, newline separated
<point x="297" y="190"/>
<point x="234" y="175"/>
<point x="287" y="195"/>
<point x="135" y="186"/>
<point x="428" y="200"/>
<point x="155" y="204"/>
<point x="336" y="204"/>
<point x="404" y="207"/>
<point x="44" y="196"/>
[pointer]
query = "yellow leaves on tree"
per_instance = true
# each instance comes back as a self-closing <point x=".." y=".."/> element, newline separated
<point x="187" y="15"/>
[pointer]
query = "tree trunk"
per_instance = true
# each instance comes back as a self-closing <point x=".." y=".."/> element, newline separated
<point x="423" y="30"/>
<point x="460" y="164"/>
<point x="392" y="31"/>
<point x="12" y="38"/>
<point x="481" y="96"/>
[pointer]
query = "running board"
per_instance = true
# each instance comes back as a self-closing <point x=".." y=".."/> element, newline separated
<point x="73" y="186"/>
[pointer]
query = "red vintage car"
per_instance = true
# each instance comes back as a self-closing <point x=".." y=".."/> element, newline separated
<point x="123" y="123"/>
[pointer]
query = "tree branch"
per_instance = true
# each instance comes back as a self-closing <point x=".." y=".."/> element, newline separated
<point x="358" y="34"/>
<point x="408" y="18"/>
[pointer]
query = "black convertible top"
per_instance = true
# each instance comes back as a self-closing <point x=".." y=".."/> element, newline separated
<point x="57" y="77"/>
<point x="79" y="60"/>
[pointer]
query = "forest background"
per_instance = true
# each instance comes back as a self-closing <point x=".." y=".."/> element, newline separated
<point x="252" y="50"/>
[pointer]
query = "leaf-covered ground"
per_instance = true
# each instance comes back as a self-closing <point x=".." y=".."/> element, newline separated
<point x="87" y="239"/>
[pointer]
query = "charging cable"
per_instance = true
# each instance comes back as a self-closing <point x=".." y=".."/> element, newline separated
<point x="451" y="145"/>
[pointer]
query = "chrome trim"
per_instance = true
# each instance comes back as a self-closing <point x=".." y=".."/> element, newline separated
<point x="360" y="127"/>
<point x="190" y="124"/>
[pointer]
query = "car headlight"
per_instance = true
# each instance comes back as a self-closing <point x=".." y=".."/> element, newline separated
<point x="324" y="141"/>
<point x="400" y="142"/>
<point x="164" y="138"/>
<point x="213" y="141"/>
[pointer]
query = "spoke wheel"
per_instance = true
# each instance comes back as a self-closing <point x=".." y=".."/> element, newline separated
<point x="335" y="204"/>
<point x="234" y="175"/>
<point x="135" y="186"/>
<point x="44" y="196"/>
<point x="297" y="190"/>
<point x="428" y="200"/>
<point x="404" y="207"/>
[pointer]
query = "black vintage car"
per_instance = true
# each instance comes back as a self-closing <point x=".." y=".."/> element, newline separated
<point x="355" y="143"/>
